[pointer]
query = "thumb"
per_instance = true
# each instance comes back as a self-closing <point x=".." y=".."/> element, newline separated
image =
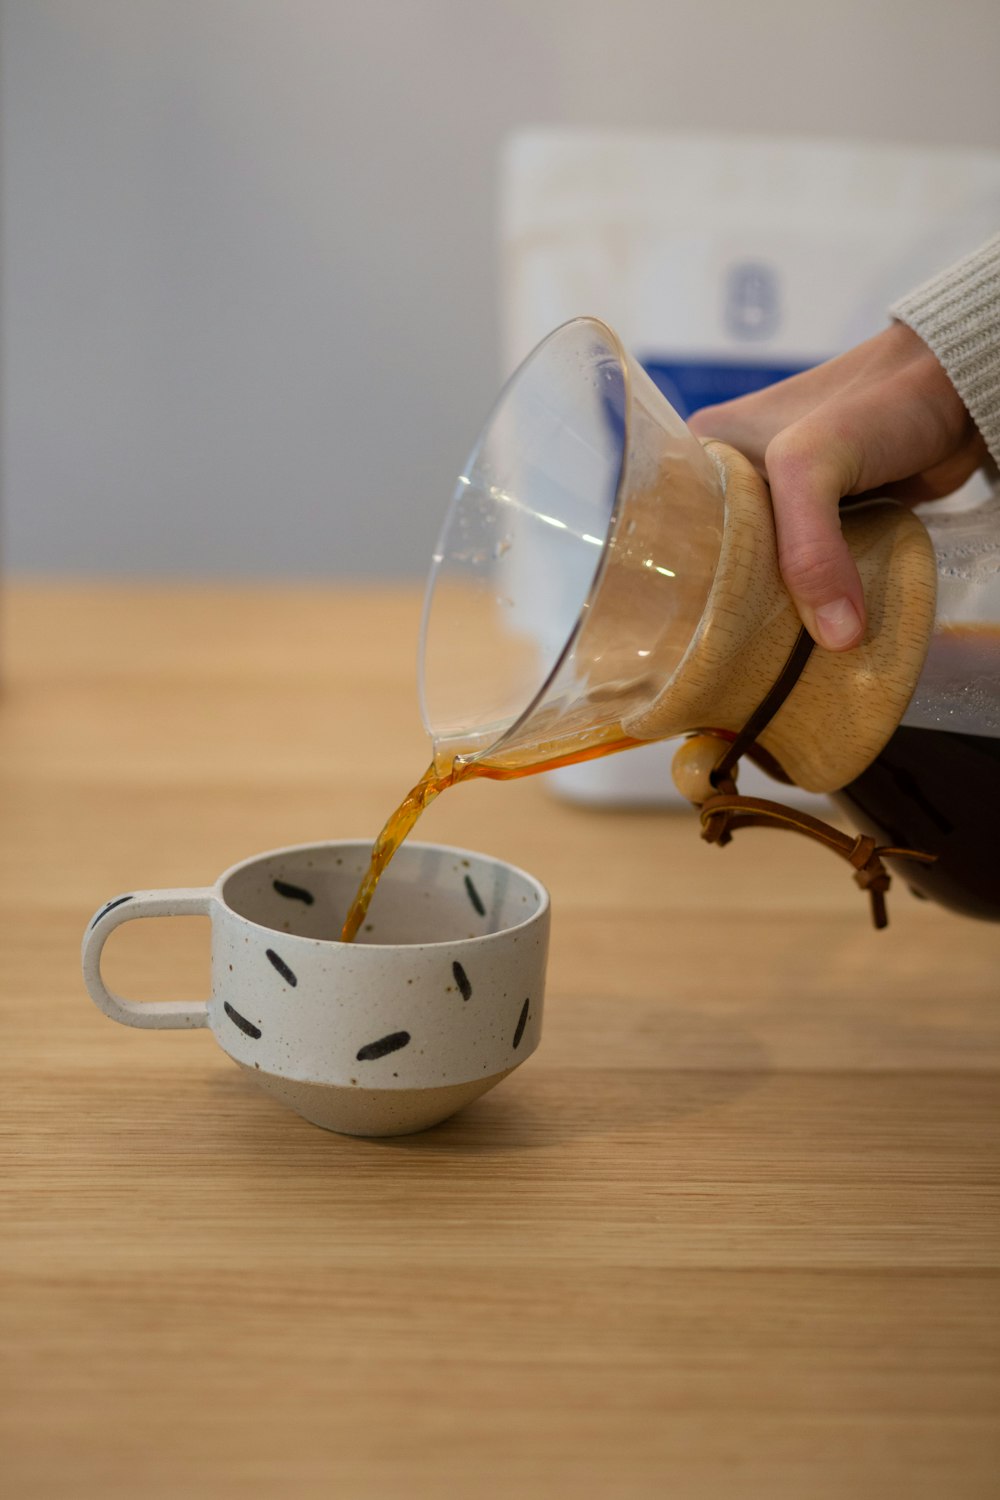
<point x="808" y="473"/>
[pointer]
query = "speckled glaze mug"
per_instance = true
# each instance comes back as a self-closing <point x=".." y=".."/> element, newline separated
<point x="438" y="999"/>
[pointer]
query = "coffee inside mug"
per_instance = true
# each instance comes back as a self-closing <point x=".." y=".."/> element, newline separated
<point x="430" y="899"/>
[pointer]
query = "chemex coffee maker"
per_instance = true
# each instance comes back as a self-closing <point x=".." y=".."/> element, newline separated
<point x="603" y="580"/>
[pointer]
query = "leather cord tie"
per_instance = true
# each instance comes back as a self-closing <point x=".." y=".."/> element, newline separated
<point x="724" y="813"/>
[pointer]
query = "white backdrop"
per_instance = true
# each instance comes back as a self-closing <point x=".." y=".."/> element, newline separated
<point x="248" y="310"/>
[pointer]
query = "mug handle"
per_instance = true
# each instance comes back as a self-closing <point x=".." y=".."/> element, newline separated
<point x="160" y="1014"/>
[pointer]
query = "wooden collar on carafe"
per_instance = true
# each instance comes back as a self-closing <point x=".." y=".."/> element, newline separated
<point x="705" y="769"/>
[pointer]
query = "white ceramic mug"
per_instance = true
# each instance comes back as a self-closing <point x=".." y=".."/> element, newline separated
<point x="438" y="999"/>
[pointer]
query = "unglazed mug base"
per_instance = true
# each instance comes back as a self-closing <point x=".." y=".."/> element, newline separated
<point x="373" y="1112"/>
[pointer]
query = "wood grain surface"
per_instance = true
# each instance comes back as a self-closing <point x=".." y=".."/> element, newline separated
<point x="732" y="1233"/>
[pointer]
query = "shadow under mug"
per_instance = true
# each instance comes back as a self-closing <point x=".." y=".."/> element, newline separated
<point x="438" y="999"/>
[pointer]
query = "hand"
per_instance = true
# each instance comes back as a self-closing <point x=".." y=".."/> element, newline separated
<point x="884" y="418"/>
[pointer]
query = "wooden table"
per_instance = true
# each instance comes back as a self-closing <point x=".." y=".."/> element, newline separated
<point x="732" y="1233"/>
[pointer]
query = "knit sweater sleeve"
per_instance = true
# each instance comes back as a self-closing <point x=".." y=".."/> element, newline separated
<point x="957" y="314"/>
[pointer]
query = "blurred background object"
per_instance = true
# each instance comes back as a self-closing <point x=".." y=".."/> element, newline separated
<point x="250" y="249"/>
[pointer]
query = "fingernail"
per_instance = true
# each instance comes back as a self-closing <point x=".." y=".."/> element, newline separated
<point x="837" y="624"/>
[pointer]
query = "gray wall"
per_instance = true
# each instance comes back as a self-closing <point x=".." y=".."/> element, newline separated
<point x="248" y="246"/>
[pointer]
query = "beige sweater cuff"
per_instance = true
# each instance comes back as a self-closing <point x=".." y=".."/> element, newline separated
<point x="957" y="314"/>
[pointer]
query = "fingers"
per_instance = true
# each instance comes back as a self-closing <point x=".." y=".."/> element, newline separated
<point x="808" y="472"/>
<point x="750" y="422"/>
<point x="882" y="417"/>
<point x="747" y="424"/>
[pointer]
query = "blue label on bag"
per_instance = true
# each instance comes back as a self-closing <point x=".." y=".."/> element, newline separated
<point x="690" y="384"/>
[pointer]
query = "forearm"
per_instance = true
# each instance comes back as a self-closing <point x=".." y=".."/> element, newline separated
<point x="957" y="314"/>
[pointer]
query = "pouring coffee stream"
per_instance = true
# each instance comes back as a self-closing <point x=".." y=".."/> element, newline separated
<point x="434" y="781"/>
<point x="602" y="580"/>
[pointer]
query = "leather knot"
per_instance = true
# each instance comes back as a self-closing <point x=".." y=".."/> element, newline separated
<point x="726" y="811"/>
<point x="863" y="852"/>
<point x="871" y="875"/>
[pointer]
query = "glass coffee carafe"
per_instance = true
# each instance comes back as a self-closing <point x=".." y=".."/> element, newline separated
<point x="603" y="580"/>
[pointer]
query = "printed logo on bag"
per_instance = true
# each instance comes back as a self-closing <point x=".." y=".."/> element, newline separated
<point x="752" y="306"/>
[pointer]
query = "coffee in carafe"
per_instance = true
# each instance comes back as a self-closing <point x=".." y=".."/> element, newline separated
<point x="937" y="787"/>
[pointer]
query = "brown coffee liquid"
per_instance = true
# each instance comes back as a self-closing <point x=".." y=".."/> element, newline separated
<point x="435" y="780"/>
<point x="939" y="791"/>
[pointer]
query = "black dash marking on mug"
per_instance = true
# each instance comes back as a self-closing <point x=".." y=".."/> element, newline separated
<point x="293" y="892"/>
<point x="281" y="966"/>
<point x="521" y="1024"/>
<point x="384" y="1046"/>
<point x="118" y="901"/>
<point x="474" y="896"/>
<point x="462" y="980"/>
<point x="247" y="1027"/>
